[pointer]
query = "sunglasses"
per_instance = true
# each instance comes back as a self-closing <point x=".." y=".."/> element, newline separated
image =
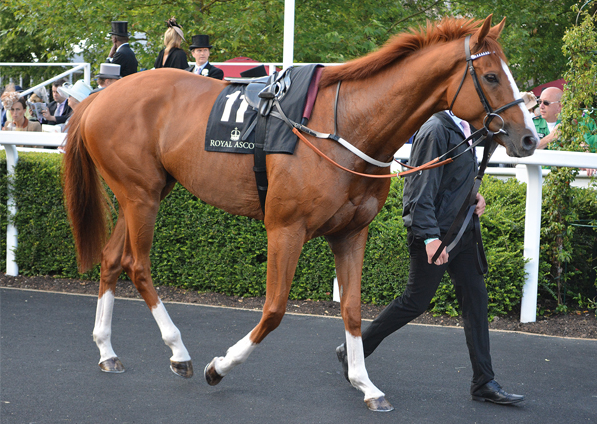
<point x="545" y="102"/>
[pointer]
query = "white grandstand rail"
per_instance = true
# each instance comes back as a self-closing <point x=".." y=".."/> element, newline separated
<point x="533" y="176"/>
<point x="85" y="67"/>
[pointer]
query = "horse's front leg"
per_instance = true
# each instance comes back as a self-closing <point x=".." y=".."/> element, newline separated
<point x="284" y="249"/>
<point x="349" y="253"/>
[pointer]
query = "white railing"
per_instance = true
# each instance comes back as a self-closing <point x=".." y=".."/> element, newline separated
<point x="86" y="67"/>
<point x="529" y="170"/>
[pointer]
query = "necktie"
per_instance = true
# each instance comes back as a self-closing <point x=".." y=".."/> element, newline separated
<point x="58" y="111"/>
<point x="466" y="129"/>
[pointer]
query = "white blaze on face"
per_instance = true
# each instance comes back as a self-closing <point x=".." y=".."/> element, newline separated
<point x="528" y="119"/>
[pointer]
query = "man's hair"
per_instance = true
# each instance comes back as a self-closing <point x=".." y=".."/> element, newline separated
<point x="101" y="81"/>
<point x="59" y="83"/>
<point x="121" y="39"/>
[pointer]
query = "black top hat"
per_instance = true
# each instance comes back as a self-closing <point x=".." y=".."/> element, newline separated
<point x="200" y="42"/>
<point x="119" y="28"/>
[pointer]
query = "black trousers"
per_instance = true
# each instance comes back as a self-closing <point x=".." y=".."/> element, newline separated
<point x="423" y="280"/>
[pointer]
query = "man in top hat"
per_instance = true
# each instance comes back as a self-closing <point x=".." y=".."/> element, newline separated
<point x="109" y="73"/>
<point x="121" y="53"/>
<point x="200" y="50"/>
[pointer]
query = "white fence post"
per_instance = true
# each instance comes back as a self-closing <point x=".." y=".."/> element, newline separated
<point x="532" y="242"/>
<point x="12" y="157"/>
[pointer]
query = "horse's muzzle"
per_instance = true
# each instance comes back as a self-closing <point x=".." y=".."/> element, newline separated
<point x="529" y="142"/>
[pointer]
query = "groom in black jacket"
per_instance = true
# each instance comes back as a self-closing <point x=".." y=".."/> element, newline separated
<point x="432" y="199"/>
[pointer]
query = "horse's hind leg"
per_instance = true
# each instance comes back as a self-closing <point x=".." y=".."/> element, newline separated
<point x="110" y="270"/>
<point x="349" y="254"/>
<point x="284" y="249"/>
<point x="140" y="218"/>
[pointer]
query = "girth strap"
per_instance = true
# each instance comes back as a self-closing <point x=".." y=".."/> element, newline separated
<point x="259" y="161"/>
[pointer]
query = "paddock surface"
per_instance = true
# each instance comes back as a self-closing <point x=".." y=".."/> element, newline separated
<point x="49" y="372"/>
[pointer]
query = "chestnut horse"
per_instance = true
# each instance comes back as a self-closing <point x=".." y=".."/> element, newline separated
<point x="146" y="132"/>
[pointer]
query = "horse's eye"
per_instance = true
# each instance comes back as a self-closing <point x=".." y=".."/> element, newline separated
<point x="491" y="78"/>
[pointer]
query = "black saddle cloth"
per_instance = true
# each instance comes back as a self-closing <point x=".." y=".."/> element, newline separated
<point x="231" y="117"/>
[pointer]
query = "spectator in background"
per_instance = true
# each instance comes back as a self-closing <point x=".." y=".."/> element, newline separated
<point x="58" y="111"/>
<point x="121" y="53"/>
<point x="19" y="122"/>
<point x="550" y="106"/>
<point x="75" y="93"/>
<point x="108" y="74"/>
<point x="200" y="49"/>
<point x="6" y="98"/>
<point x="172" y="56"/>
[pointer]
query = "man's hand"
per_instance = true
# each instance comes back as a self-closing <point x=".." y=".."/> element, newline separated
<point x="431" y="248"/>
<point x="48" y="116"/>
<point x="114" y="47"/>
<point x="480" y="208"/>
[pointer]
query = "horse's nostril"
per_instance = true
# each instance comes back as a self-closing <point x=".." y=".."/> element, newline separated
<point x="529" y="142"/>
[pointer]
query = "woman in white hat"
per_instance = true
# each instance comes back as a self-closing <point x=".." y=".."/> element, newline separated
<point x="76" y="92"/>
<point x="172" y="56"/>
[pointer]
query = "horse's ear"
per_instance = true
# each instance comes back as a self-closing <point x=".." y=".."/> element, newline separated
<point x="480" y="35"/>
<point x="497" y="30"/>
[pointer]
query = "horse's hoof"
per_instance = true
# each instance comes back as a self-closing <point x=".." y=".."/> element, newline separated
<point x="112" y="365"/>
<point x="211" y="375"/>
<point x="184" y="369"/>
<point x="379" y="404"/>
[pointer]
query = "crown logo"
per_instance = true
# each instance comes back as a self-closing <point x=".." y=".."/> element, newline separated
<point x="235" y="134"/>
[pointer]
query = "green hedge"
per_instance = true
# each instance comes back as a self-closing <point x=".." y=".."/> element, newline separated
<point x="199" y="247"/>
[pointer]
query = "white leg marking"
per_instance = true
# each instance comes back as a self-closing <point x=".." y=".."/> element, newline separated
<point x="102" y="331"/>
<point x="236" y="355"/>
<point x="170" y="333"/>
<point x="528" y="119"/>
<point x="357" y="373"/>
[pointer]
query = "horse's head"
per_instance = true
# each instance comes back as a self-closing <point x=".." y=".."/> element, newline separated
<point x="491" y="100"/>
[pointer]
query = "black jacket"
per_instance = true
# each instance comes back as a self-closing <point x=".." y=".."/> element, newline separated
<point x="126" y="59"/>
<point x="432" y="198"/>
<point x="213" y="72"/>
<point x="177" y="58"/>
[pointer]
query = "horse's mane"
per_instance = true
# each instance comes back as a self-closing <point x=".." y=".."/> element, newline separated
<point x="402" y="45"/>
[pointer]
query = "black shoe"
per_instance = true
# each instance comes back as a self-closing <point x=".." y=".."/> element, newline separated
<point x="493" y="392"/>
<point x="341" y="354"/>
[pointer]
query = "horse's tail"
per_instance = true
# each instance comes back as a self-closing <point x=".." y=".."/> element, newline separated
<point x="86" y="199"/>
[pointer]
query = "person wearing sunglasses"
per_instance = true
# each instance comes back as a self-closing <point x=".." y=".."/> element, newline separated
<point x="547" y="124"/>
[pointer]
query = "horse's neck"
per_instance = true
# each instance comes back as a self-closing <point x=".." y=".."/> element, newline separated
<point x="392" y="106"/>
